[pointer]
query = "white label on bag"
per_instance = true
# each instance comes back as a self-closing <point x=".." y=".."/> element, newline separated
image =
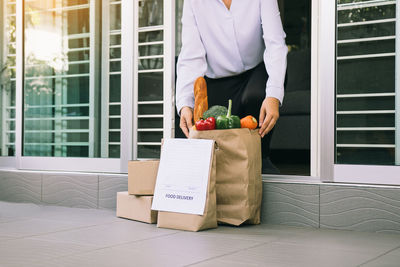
<point x="183" y="174"/>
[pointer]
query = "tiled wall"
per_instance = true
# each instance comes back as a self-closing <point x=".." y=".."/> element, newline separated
<point x="361" y="208"/>
<point x="63" y="189"/>
<point x="345" y="207"/>
<point x="358" y="208"/>
<point x="289" y="204"/>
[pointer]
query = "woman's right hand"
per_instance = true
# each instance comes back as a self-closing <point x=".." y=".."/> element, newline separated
<point x="186" y="122"/>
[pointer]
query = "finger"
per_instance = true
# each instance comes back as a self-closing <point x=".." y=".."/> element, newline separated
<point x="189" y="122"/>
<point x="265" y="125"/>
<point x="185" y="131"/>
<point x="270" y="126"/>
<point x="261" y="117"/>
<point x="184" y="128"/>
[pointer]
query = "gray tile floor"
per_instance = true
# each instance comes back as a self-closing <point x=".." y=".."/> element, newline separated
<point x="32" y="235"/>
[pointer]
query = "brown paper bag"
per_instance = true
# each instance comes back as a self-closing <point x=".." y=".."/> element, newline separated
<point x="239" y="181"/>
<point x="192" y="222"/>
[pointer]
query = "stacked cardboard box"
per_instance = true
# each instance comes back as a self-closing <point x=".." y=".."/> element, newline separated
<point x="136" y="203"/>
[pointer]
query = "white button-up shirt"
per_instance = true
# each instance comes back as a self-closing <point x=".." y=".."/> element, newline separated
<point x="217" y="42"/>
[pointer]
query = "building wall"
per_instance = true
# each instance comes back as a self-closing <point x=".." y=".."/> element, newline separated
<point x="320" y="205"/>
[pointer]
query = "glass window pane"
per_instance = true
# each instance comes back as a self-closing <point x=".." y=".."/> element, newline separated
<point x="149" y="152"/>
<point x="63" y="116"/>
<point x="148" y="123"/>
<point x="115" y="88"/>
<point x="115" y="39"/>
<point x="150" y="136"/>
<point x="7" y="78"/>
<point x="365" y="156"/>
<point x="115" y="66"/>
<point x="366" y="13"/>
<point x="365" y="103"/>
<point x="366" y="75"/>
<point x="115" y="16"/>
<point x="151" y="13"/>
<point x="112" y="135"/>
<point x="365" y="137"/>
<point x="151" y="50"/>
<point x="150" y="109"/>
<point x="151" y="36"/>
<point x="150" y="86"/>
<point x="115" y="52"/>
<point x="365" y="120"/>
<point x="115" y="109"/>
<point x="365" y="85"/>
<point x="150" y="77"/>
<point x="365" y="48"/>
<point x="366" y="31"/>
<point x="151" y="63"/>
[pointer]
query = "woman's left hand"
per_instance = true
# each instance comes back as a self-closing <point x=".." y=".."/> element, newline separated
<point x="269" y="114"/>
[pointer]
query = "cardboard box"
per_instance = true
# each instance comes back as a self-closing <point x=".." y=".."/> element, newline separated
<point x="142" y="177"/>
<point x="136" y="208"/>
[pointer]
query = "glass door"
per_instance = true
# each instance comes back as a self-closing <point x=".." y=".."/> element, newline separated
<point x="367" y="144"/>
<point x="290" y="144"/>
<point x="153" y="75"/>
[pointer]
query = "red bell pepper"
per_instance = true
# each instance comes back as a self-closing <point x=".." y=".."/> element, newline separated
<point x="207" y="124"/>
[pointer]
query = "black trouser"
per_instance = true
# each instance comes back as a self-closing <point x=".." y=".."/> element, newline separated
<point x="247" y="91"/>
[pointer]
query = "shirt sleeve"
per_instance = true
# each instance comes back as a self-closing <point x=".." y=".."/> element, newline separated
<point x="275" y="48"/>
<point x="192" y="59"/>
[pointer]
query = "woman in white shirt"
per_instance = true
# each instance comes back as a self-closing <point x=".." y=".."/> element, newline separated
<point x="234" y="44"/>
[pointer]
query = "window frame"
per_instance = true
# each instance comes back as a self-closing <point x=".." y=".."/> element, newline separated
<point x="330" y="171"/>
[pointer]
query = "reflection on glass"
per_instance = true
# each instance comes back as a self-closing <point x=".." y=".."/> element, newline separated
<point x="151" y="13"/>
<point x="365" y="13"/>
<point x="365" y="83"/>
<point x="57" y="72"/>
<point x="151" y="50"/>
<point x="151" y="63"/>
<point x="151" y="36"/>
<point x="7" y="78"/>
<point x="115" y="15"/>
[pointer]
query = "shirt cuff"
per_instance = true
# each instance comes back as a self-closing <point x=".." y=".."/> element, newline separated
<point x="184" y="102"/>
<point x="276" y="92"/>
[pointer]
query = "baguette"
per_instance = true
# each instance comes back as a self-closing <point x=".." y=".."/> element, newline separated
<point x="200" y="98"/>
